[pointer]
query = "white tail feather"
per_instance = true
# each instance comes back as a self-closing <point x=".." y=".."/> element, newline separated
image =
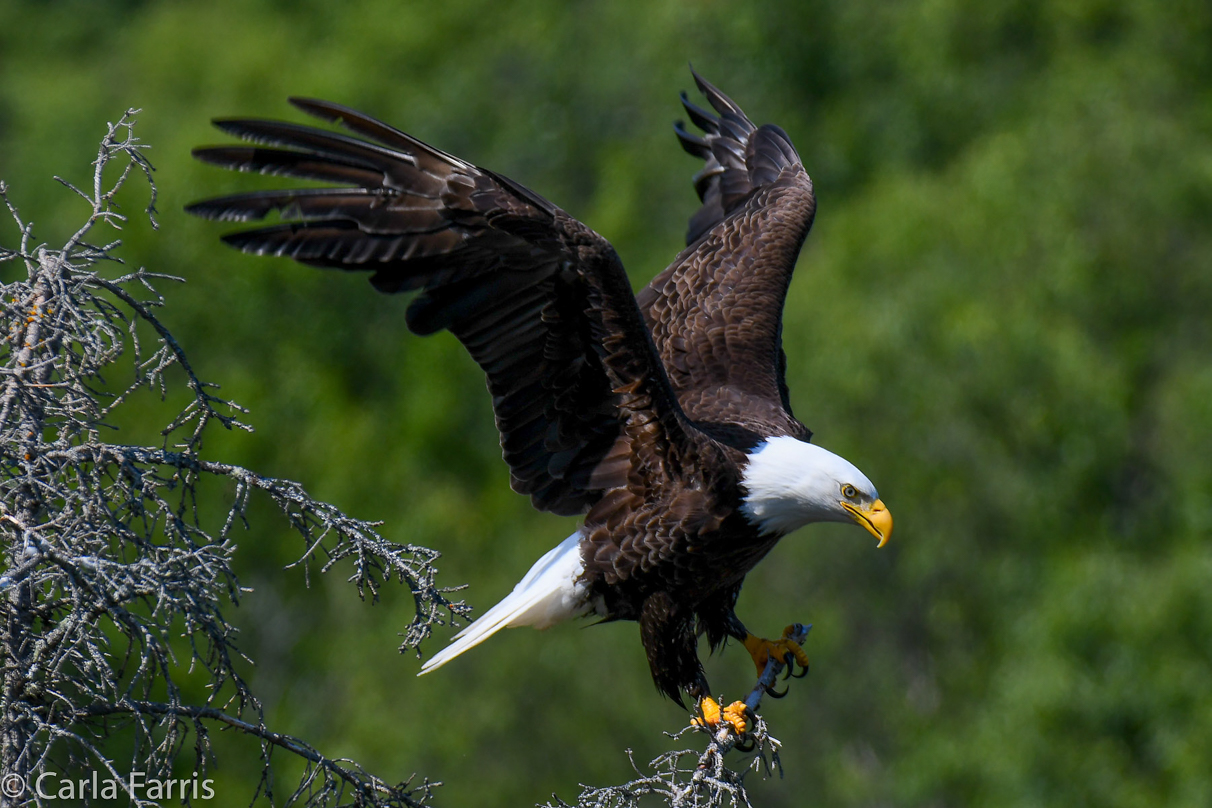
<point x="548" y="594"/>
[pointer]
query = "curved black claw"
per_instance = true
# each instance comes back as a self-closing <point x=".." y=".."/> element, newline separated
<point x="774" y="694"/>
<point x="748" y="745"/>
<point x="789" y="661"/>
<point x="799" y="675"/>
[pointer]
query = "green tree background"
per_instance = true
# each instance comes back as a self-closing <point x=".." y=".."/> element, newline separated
<point x="1001" y="315"/>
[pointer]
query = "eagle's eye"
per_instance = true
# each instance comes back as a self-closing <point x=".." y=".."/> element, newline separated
<point x="848" y="491"/>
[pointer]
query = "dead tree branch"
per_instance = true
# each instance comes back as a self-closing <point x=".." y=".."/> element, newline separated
<point x="115" y="580"/>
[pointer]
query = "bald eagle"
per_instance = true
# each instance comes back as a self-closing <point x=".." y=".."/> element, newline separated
<point x="662" y="418"/>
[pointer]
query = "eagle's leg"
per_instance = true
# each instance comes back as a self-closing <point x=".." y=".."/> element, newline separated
<point x="716" y="619"/>
<point x="667" y="632"/>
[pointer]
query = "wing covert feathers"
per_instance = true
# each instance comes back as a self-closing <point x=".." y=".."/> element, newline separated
<point x="715" y="314"/>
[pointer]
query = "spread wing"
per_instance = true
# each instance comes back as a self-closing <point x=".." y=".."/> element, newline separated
<point x="715" y="313"/>
<point x="540" y="301"/>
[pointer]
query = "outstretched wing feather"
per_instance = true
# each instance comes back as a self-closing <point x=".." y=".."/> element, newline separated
<point x="539" y="300"/>
<point x="288" y="163"/>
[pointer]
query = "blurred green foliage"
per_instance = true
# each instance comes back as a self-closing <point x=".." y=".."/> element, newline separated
<point x="1001" y="315"/>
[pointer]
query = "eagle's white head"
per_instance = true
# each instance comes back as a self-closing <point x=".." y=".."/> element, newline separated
<point x="790" y="483"/>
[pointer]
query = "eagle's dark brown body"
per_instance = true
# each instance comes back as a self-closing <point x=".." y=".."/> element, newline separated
<point x="636" y="411"/>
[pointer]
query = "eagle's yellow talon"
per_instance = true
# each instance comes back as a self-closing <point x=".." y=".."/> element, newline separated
<point x="762" y="650"/>
<point x="712" y="715"/>
<point x="734" y="714"/>
<point x="709" y="710"/>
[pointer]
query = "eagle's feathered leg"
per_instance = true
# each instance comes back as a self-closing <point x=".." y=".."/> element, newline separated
<point x="717" y="619"/>
<point x="667" y="631"/>
<point x="772" y="656"/>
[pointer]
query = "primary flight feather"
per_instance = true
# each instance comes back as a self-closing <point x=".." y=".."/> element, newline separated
<point x="663" y="418"/>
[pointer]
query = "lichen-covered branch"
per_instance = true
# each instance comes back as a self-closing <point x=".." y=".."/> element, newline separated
<point x="115" y="576"/>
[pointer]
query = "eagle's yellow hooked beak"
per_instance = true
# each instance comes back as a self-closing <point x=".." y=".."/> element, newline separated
<point x="876" y="519"/>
